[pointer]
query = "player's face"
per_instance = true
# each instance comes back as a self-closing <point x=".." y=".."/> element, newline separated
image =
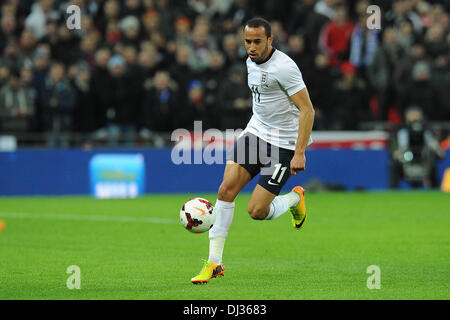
<point x="257" y="44"/>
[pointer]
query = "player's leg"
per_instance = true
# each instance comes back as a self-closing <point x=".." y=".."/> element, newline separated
<point x="274" y="174"/>
<point x="237" y="174"/>
<point x="265" y="203"/>
<point x="259" y="204"/>
<point x="235" y="178"/>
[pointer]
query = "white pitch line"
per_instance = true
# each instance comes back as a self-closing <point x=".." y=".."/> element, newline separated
<point x="62" y="216"/>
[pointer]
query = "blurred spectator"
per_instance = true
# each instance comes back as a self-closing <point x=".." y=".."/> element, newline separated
<point x="420" y="91"/>
<point x="182" y="35"/>
<point x="297" y="51"/>
<point x="109" y="12"/>
<point x="132" y="7"/>
<point x="12" y="55"/>
<point x="112" y="32"/>
<point x="88" y="45"/>
<point x="4" y="74"/>
<point x="130" y="56"/>
<point x="238" y="13"/>
<point x="160" y="106"/>
<point x="146" y="65"/>
<point x="235" y="100"/>
<point x="157" y="60"/>
<point x="360" y="9"/>
<point x="230" y="49"/>
<point x="123" y="103"/>
<point x="26" y="77"/>
<point x="326" y="8"/>
<point x="405" y="36"/>
<point x="242" y="52"/>
<point x="87" y="25"/>
<point x="16" y="105"/>
<point x="167" y="14"/>
<point x="58" y="100"/>
<point x="335" y="37"/>
<point x="403" y="69"/>
<point x="84" y="120"/>
<point x="67" y="48"/>
<point x="351" y="97"/>
<point x="8" y="30"/>
<point x="401" y="12"/>
<point x="202" y="43"/>
<point x="435" y="41"/>
<point x="280" y="37"/>
<point x="314" y="23"/>
<point x="213" y="77"/>
<point x="276" y="8"/>
<point x="101" y="86"/>
<point x="41" y="63"/>
<point x="381" y="72"/>
<point x="151" y="23"/>
<point x="321" y="79"/>
<point x="198" y="108"/>
<point x="440" y="77"/>
<point x="212" y="9"/>
<point x="363" y="45"/>
<point x="130" y="28"/>
<point x="36" y="20"/>
<point x="51" y="35"/>
<point x="300" y="12"/>
<point x="181" y="71"/>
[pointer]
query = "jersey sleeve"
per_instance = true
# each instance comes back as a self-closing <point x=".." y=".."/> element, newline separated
<point x="290" y="77"/>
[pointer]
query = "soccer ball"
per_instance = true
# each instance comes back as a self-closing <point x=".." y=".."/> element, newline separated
<point x="197" y="215"/>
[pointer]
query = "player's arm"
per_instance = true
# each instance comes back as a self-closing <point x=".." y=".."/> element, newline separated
<point x="303" y="102"/>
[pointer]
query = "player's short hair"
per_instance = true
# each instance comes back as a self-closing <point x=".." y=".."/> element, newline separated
<point x="258" y="22"/>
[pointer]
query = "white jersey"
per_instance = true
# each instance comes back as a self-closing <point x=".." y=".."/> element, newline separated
<point x="275" y="117"/>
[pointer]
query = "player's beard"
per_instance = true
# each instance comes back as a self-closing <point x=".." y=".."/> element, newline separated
<point x="263" y="54"/>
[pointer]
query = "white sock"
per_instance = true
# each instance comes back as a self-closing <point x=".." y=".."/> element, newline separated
<point x="218" y="233"/>
<point x="281" y="204"/>
<point x="216" y="246"/>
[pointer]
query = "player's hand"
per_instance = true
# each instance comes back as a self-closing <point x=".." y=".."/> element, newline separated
<point x="298" y="163"/>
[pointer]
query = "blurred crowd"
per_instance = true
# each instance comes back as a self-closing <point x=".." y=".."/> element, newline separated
<point x="136" y="67"/>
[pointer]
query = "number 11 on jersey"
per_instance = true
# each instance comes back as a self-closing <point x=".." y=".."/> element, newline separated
<point x="256" y="94"/>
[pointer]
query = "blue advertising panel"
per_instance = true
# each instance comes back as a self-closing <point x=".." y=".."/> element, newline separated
<point x="117" y="175"/>
<point x="74" y="172"/>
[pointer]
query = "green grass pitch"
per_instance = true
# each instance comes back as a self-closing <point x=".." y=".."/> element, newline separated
<point x="136" y="249"/>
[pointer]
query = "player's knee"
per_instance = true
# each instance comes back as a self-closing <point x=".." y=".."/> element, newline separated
<point x="257" y="213"/>
<point x="226" y="193"/>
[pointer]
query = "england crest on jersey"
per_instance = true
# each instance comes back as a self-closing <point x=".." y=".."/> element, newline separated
<point x="264" y="76"/>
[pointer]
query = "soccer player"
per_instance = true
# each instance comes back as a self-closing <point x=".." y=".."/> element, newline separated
<point x="273" y="144"/>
